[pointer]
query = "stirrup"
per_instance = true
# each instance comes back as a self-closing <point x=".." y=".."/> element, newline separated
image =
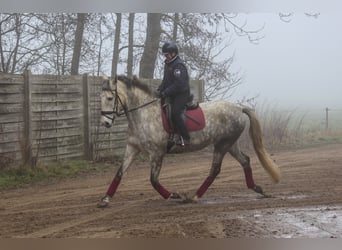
<point x="182" y="142"/>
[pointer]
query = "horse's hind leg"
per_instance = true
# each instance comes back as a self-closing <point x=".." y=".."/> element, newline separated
<point x="245" y="163"/>
<point x="214" y="171"/>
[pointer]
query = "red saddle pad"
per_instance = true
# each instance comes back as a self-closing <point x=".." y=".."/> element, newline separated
<point x="194" y="120"/>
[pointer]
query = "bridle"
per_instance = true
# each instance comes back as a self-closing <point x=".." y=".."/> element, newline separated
<point x="116" y="109"/>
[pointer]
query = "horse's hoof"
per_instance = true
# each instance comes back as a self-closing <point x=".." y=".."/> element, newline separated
<point x="195" y="198"/>
<point x="187" y="199"/>
<point x="104" y="202"/>
<point x="175" y="196"/>
<point x="258" y="190"/>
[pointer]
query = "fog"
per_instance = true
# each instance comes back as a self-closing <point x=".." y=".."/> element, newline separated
<point x="297" y="64"/>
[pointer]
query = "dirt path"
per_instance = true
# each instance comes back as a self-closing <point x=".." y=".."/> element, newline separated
<point x="307" y="202"/>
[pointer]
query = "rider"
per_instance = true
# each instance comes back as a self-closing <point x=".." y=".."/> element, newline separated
<point x="175" y="85"/>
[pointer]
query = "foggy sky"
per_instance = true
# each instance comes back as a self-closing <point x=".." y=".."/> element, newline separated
<point x="297" y="64"/>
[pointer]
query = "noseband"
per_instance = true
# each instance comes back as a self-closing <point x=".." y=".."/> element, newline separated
<point x="115" y="110"/>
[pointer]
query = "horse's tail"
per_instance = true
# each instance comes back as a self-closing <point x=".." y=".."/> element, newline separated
<point x="256" y="136"/>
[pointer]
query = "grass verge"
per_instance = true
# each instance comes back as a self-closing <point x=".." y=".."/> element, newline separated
<point x="49" y="172"/>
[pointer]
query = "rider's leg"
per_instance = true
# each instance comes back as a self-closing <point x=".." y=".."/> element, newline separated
<point x="178" y="106"/>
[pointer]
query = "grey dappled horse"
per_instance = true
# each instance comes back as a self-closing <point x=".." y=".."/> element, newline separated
<point x="225" y="123"/>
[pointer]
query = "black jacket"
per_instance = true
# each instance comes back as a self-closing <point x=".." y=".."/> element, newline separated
<point x="176" y="78"/>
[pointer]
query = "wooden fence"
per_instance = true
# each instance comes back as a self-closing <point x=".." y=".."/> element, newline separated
<point x="48" y="118"/>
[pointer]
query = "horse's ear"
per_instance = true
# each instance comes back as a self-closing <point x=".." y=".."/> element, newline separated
<point x="106" y="84"/>
<point x="136" y="80"/>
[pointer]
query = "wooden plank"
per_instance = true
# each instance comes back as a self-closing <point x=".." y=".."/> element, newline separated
<point x="11" y="89"/>
<point x="48" y="125"/>
<point x="57" y="86"/>
<point x="11" y="159"/>
<point x="11" y="127"/>
<point x="11" y="118"/>
<point x="56" y="115"/>
<point x="11" y="108"/>
<point x="70" y="91"/>
<point x="57" y="97"/>
<point x="53" y="98"/>
<point x="9" y="137"/>
<point x="6" y="79"/>
<point x="9" y="147"/>
<point x="53" y="79"/>
<point x="11" y="98"/>
<point x="48" y="107"/>
<point x="54" y="155"/>
<point x="60" y="133"/>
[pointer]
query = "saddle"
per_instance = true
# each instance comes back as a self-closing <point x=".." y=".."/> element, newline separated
<point x="192" y="115"/>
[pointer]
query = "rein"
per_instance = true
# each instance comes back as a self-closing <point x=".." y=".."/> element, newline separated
<point x="142" y="105"/>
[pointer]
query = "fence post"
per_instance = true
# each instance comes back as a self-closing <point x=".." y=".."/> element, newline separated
<point x="326" y="119"/>
<point x="88" y="149"/>
<point x="201" y="91"/>
<point x="27" y="146"/>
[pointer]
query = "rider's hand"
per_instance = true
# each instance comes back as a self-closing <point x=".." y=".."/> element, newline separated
<point x="159" y="94"/>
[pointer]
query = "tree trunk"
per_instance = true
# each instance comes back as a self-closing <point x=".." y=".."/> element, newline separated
<point x="18" y="34"/>
<point x="130" y="45"/>
<point x="148" y="59"/>
<point x="115" y="59"/>
<point x="75" y="63"/>
<point x="175" y="27"/>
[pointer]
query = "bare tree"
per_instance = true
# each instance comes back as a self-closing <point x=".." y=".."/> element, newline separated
<point x="130" y="45"/>
<point x="175" y="27"/>
<point x="23" y="43"/>
<point x="149" y="56"/>
<point x="75" y="62"/>
<point x="115" y="59"/>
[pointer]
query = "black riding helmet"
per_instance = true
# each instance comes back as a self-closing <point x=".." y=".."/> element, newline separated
<point x="169" y="47"/>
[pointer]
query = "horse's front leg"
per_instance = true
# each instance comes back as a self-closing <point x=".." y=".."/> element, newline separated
<point x="156" y="164"/>
<point x="130" y="153"/>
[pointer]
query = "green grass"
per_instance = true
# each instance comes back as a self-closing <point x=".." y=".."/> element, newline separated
<point x="48" y="172"/>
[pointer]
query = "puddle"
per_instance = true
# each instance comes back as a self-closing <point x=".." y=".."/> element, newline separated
<point x="310" y="222"/>
<point x="302" y="222"/>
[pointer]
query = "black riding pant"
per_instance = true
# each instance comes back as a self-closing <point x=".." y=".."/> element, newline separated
<point x="178" y="106"/>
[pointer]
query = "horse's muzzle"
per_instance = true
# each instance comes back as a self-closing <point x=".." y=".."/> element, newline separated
<point x="107" y="121"/>
<point x="107" y="124"/>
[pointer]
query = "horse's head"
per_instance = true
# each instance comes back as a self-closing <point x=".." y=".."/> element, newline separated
<point x="112" y="102"/>
<point x="122" y="95"/>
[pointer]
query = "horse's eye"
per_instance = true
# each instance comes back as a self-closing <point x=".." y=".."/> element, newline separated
<point x="110" y="98"/>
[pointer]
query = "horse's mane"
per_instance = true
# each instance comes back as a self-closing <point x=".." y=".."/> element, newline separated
<point x="136" y="83"/>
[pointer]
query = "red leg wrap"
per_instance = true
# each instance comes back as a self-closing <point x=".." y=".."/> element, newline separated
<point x="113" y="186"/>
<point x="162" y="191"/>
<point x="249" y="177"/>
<point x="205" y="186"/>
